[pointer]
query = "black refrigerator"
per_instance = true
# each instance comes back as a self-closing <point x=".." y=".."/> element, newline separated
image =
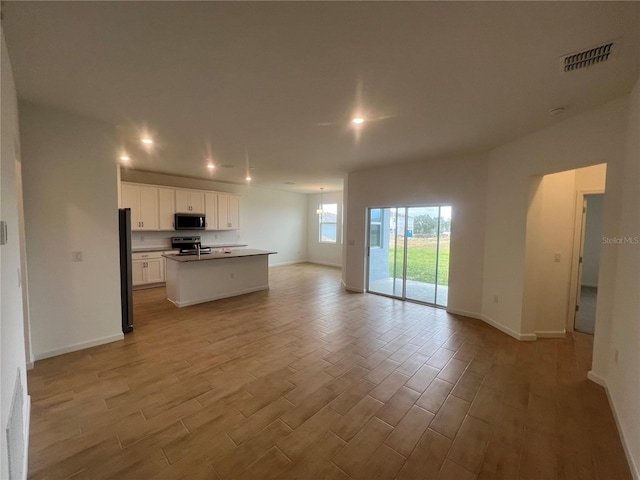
<point x="126" y="283"/>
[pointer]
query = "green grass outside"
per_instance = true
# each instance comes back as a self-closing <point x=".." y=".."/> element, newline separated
<point x="421" y="261"/>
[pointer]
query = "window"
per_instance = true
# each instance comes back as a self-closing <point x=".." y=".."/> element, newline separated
<point x="375" y="228"/>
<point x="328" y="231"/>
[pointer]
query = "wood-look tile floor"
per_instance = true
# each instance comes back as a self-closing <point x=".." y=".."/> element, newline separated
<point x="307" y="381"/>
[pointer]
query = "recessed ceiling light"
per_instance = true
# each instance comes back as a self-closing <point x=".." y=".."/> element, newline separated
<point x="211" y="166"/>
<point x="146" y="141"/>
<point x="248" y="179"/>
<point x="125" y="158"/>
<point x="358" y="121"/>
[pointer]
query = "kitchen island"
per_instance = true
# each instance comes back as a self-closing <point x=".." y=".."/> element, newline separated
<point x="193" y="279"/>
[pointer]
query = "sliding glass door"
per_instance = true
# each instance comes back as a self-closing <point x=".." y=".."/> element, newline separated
<point x="408" y="253"/>
<point x="386" y="253"/>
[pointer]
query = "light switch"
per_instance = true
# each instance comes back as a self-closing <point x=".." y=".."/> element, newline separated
<point x="556" y="257"/>
<point x="77" y="256"/>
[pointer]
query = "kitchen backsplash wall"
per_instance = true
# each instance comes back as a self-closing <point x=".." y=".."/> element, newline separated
<point x="163" y="239"/>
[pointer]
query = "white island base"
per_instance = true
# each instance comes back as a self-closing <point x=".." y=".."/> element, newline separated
<point x="191" y="280"/>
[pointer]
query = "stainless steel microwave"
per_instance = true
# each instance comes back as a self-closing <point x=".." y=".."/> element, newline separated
<point x="189" y="221"/>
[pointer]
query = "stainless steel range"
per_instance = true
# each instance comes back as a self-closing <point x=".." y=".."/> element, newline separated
<point x="189" y="245"/>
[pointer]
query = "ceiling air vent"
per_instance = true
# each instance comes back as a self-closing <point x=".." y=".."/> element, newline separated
<point x="586" y="58"/>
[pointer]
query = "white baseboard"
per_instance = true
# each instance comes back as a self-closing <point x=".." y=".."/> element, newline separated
<point x="352" y="289"/>
<point x="523" y="337"/>
<point x="27" y="429"/>
<point x="326" y="264"/>
<point x="464" y="313"/>
<point x="282" y="264"/>
<point x="635" y="471"/>
<point x="595" y="378"/>
<point x="78" y="346"/>
<point x="551" y="334"/>
<point x="29" y="365"/>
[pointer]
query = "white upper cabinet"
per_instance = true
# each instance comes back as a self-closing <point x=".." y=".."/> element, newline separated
<point x="143" y="202"/>
<point x="129" y="198"/>
<point x="233" y="217"/>
<point x="154" y="207"/>
<point x="166" y="207"/>
<point x="189" y="201"/>
<point x="228" y="212"/>
<point x="211" y="211"/>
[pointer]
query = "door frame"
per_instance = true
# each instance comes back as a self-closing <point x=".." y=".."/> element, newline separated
<point x="578" y="244"/>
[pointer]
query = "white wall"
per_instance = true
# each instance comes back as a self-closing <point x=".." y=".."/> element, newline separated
<point x="587" y="139"/>
<point x="608" y="134"/>
<point x="548" y="288"/>
<point x="459" y="182"/>
<point x="70" y="204"/>
<point x="269" y="219"/>
<point x="617" y="348"/>
<point x="323" y="253"/>
<point x="592" y="240"/>
<point x="549" y="233"/>
<point x="12" y="338"/>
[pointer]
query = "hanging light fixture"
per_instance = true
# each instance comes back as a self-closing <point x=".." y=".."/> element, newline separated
<point x="320" y="211"/>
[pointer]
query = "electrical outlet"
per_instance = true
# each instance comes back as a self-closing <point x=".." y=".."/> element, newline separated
<point x="495" y="299"/>
<point x="76" y="256"/>
<point x="556" y="257"/>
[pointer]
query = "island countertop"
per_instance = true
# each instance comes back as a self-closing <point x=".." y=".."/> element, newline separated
<point x="244" y="252"/>
<point x="169" y="249"/>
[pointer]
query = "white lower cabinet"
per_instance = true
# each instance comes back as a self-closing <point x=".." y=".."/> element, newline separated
<point x="147" y="268"/>
<point x="155" y="270"/>
<point x="137" y="270"/>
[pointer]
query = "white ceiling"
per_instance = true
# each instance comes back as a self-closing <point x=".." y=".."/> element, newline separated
<point x="280" y="80"/>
